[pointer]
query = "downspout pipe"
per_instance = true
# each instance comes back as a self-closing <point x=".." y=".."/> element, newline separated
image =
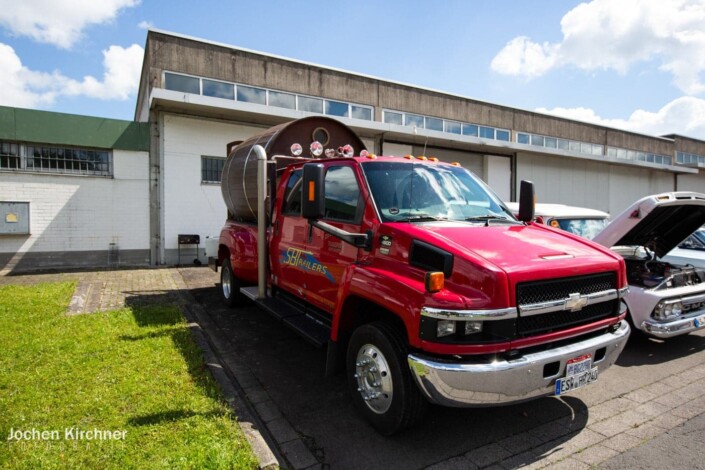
<point x="261" y="221"/>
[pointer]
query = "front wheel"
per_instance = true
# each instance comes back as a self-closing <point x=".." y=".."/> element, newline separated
<point x="230" y="286"/>
<point x="380" y="380"/>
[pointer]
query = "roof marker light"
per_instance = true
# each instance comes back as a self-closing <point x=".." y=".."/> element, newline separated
<point x="348" y="151"/>
<point x="422" y="158"/>
<point x="296" y="149"/>
<point x="316" y="148"/>
<point x="432" y="159"/>
<point x="330" y="153"/>
<point x="409" y="157"/>
<point x="371" y="156"/>
<point x="455" y="164"/>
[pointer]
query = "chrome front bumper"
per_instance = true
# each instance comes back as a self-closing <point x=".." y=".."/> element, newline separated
<point x="508" y="381"/>
<point x="694" y="321"/>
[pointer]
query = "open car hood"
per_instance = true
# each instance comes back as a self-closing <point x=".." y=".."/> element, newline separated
<point x="659" y="222"/>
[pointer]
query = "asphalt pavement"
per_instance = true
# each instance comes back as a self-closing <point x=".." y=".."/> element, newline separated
<point x="636" y="409"/>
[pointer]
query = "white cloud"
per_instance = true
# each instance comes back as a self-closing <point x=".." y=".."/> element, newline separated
<point x="521" y="56"/>
<point x="145" y="25"/>
<point x="58" y="22"/>
<point x="120" y="78"/>
<point x="22" y="87"/>
<point x="609" y="34"/>
<point x="684" y="116"/>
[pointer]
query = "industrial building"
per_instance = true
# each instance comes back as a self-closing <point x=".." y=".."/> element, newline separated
<point x="196" y="96"/>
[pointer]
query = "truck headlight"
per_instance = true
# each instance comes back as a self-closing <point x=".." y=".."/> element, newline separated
<point x="668" y="309"/>
<point x="445" y="328"/>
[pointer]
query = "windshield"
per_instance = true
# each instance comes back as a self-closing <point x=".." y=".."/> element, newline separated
<point x="696" y="241"/>
<point x="408" y="192"/>
<point x="586" y="228"/>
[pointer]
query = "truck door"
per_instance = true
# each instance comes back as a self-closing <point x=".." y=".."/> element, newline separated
<point x="312" y="268"/>
<point x="329" y="254"/>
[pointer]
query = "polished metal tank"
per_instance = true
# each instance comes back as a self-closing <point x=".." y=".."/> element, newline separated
<point x="239" y="180"/>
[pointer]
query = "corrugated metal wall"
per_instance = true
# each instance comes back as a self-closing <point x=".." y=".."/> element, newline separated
<point x="584" y="183"/>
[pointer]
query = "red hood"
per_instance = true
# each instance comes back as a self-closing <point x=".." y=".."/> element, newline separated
<point x="522" y="251"/>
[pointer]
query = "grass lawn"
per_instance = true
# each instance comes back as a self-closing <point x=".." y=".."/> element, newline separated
<point x="135" y="370"/>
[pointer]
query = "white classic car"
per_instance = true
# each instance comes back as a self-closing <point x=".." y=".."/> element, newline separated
<point x="665" y="298"/>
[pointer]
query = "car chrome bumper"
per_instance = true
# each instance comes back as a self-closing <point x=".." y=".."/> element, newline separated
<point x="508" y="381"/>
<point x="681" y="326"/>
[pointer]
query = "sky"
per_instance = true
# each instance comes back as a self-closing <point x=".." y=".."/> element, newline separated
<point x="631" y="64"/>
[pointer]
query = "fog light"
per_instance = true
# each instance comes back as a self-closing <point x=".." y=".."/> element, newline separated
<point x="677" y="309"/>
<point x="472" y="327"/>
<point x="445" y="328"/>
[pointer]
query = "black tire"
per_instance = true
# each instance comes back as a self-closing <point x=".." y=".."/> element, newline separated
<point x="230" y="286"/>
<point x="377" y="368"/>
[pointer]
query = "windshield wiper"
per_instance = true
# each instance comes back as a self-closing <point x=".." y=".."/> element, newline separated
<point x="487" y="217"/>
<point x="423" y="218"/>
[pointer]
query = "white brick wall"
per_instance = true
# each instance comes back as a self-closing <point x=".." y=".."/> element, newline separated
<point x="77" y="213"/>
<point x="192" y="207"/>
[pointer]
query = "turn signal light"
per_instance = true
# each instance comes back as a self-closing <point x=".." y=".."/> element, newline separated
<point x="435" y="281"/>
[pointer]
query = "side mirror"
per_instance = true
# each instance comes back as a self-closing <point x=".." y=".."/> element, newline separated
<point x="313" y="199"/>
<point x="527" y="201"/>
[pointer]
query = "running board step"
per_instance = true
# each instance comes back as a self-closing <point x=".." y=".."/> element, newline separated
<point x="311" y="329"/>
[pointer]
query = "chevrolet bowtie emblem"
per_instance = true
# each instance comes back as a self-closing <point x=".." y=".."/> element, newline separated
<point x="575" y="302"/>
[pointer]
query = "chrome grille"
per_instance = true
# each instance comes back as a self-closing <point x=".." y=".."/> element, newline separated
<point x="557" y="289"/>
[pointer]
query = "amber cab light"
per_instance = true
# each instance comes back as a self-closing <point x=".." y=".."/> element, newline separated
<point x="434" y="281"/>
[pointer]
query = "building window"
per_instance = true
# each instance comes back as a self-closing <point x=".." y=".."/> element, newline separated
<point x="263" y="96"/>
<point x="336" y="108"/>
<point x="182" y="83"/>
<point x="10" y="155"/>
<point x="634" y="155"/>
<point x="218" y="89"/>
<point x="250" y="94"/>
<point x="50" y="159"/>
<point x="211" y="169"/>
<point x="413" y="120"/>
<point x="311" y="105"/>
<point x="390" y="117"/>
<point x="470" y="129"/>
<point x="434" y="124"/>
<point x="486" y="132"/>
<point x="555" y="143"/>
<point x="501" y="134"/>
<point x="689" y="158"/>
<point x="281" y="100"/>
<point x="453" y="127"/>
<point x="361" y="112"/>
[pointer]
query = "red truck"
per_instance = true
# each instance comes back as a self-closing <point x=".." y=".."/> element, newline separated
<point x="414" y="275"/>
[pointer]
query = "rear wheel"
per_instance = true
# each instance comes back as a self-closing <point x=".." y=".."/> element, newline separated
<point x="230" y="286"/>
<point x="379" y="378"/>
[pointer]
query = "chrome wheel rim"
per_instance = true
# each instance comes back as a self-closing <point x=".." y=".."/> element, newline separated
<point x="374" y="379"/>
<point x="226" y="281"/>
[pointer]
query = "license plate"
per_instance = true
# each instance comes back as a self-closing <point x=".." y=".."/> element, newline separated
<point x="578" y="374"/>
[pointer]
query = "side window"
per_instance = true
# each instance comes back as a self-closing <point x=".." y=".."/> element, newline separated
<point x="342" y="195"/>
<point x="292" y="196"/>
